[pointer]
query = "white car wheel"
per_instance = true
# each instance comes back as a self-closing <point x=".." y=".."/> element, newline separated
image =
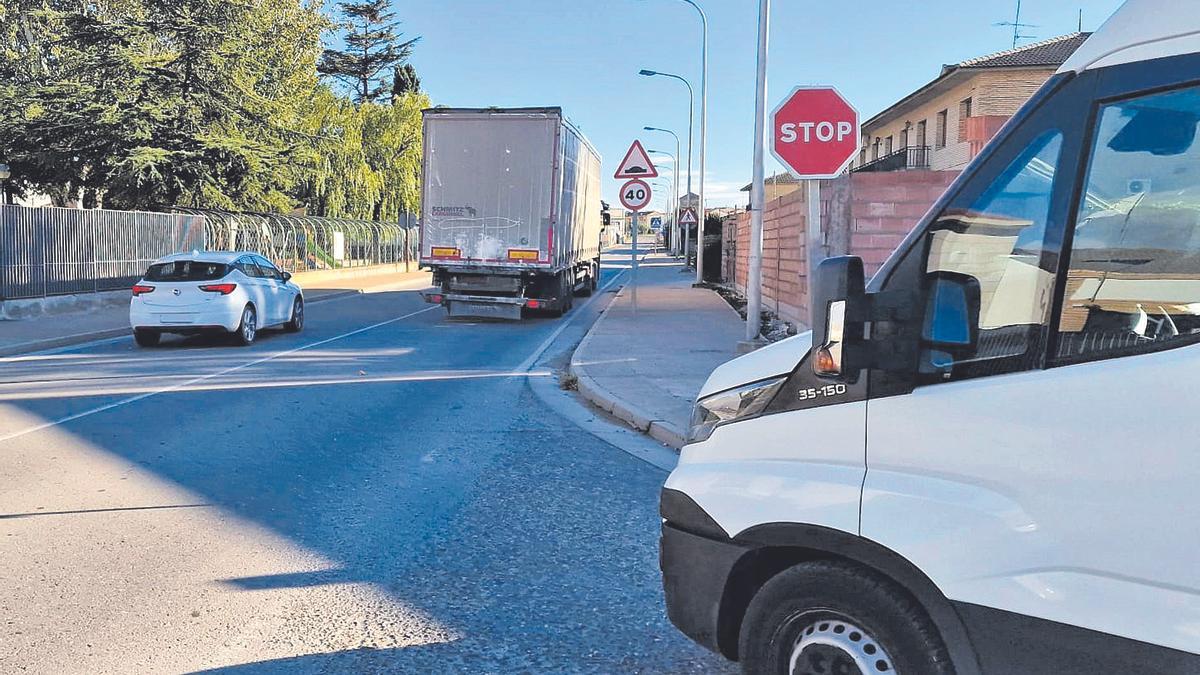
<point x="248" y="329"/>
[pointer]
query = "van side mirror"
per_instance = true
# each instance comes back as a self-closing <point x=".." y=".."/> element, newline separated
<point x="839" y="310"/>
<point x="952" y="315"/>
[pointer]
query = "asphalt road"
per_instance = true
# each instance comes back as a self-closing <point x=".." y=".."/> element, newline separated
<point x="384" y="492"/>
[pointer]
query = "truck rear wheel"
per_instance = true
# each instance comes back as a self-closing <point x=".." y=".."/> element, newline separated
<point x="831" y="617"/>
<point x="589" y="284"/>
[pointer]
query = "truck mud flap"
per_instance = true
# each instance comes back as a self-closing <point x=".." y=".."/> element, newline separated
<point x="485" y="310"/>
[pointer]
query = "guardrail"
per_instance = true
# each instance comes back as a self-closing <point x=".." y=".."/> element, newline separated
<point x="56" y="251"/>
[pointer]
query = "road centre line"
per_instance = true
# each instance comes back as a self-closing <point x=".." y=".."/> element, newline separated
<point x="202" y="378"/>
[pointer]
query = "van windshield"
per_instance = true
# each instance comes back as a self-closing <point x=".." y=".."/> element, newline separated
<point x="187" y="270"/>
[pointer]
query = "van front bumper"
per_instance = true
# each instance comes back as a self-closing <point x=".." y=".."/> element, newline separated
<point x="697" y="558"/>
<point x="695" y="571"/>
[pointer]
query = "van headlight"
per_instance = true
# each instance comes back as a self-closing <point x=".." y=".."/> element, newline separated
<point x="730" y="405"/>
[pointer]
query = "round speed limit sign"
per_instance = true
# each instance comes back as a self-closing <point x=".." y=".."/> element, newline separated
<point x="635" y="195"/>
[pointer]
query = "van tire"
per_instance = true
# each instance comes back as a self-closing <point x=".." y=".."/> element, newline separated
<point x="825" y="596"/>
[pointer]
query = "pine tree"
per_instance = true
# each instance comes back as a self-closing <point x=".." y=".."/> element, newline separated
<point x="210" y="103"/>
<point x="372" y="49"/>
<point x="191" y="102"/>
<point x="405" y="81"/>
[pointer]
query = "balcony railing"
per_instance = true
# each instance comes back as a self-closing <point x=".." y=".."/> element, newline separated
<point x="912" y="157"/>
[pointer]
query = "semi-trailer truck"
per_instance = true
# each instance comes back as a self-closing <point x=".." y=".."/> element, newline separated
<point x="510" y="211"/>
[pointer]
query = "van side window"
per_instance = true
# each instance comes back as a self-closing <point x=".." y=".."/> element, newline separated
<point x="1133" y="283"/>
<point x="992" y="249"/>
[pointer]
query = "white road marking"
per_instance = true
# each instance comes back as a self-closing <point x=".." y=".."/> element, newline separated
<point x="202" y="378"/>
<point x="419" y="376"/>
<point x="528" y="363"/>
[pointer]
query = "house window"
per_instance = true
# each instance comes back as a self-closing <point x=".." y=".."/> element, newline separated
<point x="964" y="112"/>
<point x="887" y="145"/>
<point x="921" y="133"/>
<point x="875" y="149"/>
<point x="903" y="138"/>
<point x="940" y="131"/>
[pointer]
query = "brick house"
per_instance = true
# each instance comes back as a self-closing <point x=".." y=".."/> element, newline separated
<point x="945" y="123"/>
<point x="912" y="151"/>
<point x="782" y="183"/>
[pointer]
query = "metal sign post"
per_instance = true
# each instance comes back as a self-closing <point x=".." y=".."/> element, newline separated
<point x="634" y="262"/>
<point x="635" y="196"/>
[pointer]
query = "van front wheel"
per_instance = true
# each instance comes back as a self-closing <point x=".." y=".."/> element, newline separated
<point x="830" y="617"/>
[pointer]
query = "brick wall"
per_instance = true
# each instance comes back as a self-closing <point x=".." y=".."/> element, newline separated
<point x="885" y="207"/>
<point x="877" y="212"/>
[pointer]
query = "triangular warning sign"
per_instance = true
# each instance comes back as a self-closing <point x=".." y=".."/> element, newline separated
<point x="636" y="164"/>
<point x="688" y="217"/>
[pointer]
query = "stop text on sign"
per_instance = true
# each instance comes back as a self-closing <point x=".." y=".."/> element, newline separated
<point x="790" y="132"/>
<point x="814" y="132"/>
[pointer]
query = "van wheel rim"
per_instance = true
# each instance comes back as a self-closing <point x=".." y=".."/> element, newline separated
<point x="827" y="645"/>
<point x="248" y="324"/>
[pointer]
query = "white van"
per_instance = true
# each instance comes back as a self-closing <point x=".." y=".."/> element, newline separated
<point x="990" y="460"/>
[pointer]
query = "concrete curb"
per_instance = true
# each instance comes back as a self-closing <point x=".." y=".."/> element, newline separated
<point x="660" y="430"/>
<point x="61" y="341"/>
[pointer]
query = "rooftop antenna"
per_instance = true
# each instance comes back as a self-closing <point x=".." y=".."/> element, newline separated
<point x="1017" y="26"/>
<point x="1080" y="29"/>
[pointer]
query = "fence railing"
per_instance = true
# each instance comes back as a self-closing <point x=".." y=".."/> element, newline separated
<point x="912" y="157"/>
<point x="301" y="243"/>
<point x="53" y="251"/>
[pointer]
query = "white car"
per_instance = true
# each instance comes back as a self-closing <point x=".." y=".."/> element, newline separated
<point x="214" y="292"/>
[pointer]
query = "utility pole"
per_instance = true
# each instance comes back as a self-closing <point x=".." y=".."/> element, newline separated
<point x="757" y="188"/>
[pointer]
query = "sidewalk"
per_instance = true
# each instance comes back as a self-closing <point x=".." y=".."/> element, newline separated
<point x="646" y="368"/>
<point x="106" y="319"/>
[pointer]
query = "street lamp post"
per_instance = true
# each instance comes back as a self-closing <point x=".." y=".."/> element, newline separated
<point x="691" y="115"/>
<point x="673" y="194"/>
<point x="4" y="174"/>
<point x="675" y="239"/>
<point x="666" y="191"/>
<point x="703" y="134"/>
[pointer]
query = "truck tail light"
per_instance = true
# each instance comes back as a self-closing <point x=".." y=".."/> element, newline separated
<point x="533" y="304"/>
<point x="223" y="289"/>
<point x="141" y="289"/>
<point x="435" y="298"/>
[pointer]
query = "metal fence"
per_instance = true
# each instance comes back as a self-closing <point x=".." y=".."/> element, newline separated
<point x="302" y="243"/>
<point x="53" y="251"/>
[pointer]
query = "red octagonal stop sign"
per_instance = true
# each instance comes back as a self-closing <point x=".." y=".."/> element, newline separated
<point x="814" y="132"/>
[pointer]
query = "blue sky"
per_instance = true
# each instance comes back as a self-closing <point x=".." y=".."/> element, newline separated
<point x="584" y="55"/>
